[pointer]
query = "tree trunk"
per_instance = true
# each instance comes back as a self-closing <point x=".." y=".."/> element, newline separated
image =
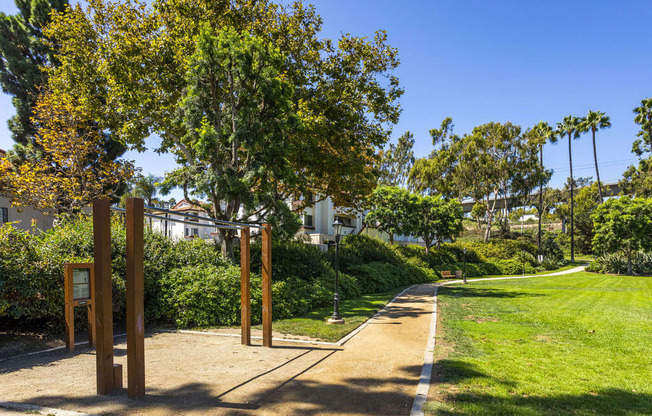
<point x="597" y="172"/>
<point x="427" y="247"/>
<point x="540" y="200"/>
<point x="487" y="232"/>
<point x="227" y="243"/>
<point x="629" y="262"/>
<point x="391" y="238"/>
<point x="572" y="191"/>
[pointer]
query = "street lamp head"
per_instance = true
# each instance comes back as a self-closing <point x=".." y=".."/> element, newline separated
<point x="337" y="226"/>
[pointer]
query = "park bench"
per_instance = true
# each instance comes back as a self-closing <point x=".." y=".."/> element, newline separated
<point x="446" y="274"/>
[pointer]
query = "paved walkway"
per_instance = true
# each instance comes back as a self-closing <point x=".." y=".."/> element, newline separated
<point x="376" y="372"/>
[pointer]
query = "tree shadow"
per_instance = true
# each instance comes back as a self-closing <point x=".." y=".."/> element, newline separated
<point x="612" y="401"/>
<point x="291" y="396"/>
<point x="476" y="292"/>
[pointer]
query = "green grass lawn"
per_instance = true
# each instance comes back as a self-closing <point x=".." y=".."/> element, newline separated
<point x="355" y="312"/>
<point x="578" y="344"/>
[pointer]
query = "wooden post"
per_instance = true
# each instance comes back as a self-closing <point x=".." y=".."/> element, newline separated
<point x="102" y="287"/>
<point x="245" y="287"/>
<point x="267" y="285"/>
<point x="70" y="309"/>
<point x="135" y="299"/>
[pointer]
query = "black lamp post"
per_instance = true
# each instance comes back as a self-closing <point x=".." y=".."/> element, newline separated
<point x="337" y="230"/>
<point x="464" y="270"/>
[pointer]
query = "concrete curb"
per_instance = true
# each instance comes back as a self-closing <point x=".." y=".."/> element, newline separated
<point x="21" y="407"/>
<point x="50" y="350"/>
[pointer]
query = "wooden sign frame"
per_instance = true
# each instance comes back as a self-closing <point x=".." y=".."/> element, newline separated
<point x="71" y="302"/>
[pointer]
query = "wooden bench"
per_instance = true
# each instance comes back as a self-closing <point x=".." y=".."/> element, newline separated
<point x="446" y="274"/>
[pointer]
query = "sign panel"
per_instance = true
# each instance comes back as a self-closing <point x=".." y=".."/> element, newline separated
<point x="81" y="284"/>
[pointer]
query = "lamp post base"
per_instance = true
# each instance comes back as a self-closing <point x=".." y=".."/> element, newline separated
<point x="335" y="321"/>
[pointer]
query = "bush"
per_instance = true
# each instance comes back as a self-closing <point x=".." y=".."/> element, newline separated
<point x="31" y="277"/>
<point x="291" y="259"/>
<point x="358" y="249"/>
<point x="617" y="264"/>
<point x="204" y="295"/>
<point x="382" y="277"/>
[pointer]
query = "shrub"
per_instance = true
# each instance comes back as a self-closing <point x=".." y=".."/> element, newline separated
<point x="617" y="263"/>
<point x="358" y="249"/>
<point x="21" y="284"/>
<point x="291" y="259"/>
<point x="202" y="295"/>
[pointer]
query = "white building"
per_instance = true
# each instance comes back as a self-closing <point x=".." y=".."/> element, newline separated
<point x="318" y="223"/>
<point x="187" y="212"/>
<point x="23" y="218"/>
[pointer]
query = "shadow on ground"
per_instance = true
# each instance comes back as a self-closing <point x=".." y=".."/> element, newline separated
<point x="291" y="397"/>
<point x="613" y="401"/>
<point x="477" y="292"/>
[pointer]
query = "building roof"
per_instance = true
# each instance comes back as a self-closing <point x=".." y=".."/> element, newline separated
<point x="185" y="205"/>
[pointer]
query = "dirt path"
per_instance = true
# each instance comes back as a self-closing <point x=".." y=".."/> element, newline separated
<point x="376" y="372"/>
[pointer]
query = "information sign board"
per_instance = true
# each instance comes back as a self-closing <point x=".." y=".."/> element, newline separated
<point x="81" y="284"/>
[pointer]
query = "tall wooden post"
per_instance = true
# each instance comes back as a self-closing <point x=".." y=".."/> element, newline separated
<point x="102" y="287"/>
<point x="135" y="299"/>
<point x="267" y="285"/>
<point x="70" y="310"/>
<point x="245" y="287"/>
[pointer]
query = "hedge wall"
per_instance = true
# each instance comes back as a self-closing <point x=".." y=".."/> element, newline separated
<point x="190" y="284"/>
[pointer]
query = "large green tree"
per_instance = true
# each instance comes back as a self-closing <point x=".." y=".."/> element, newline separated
<point x="571" y="126"/>
<point x="643" y="117"/>
<point x="594" y="121"/>
<point x="494" y="162"/>
<point x="623" y="225"/>
<point x="24" y="54"/>
<point x="637" y="180"/>
<point x="255" y="106"/>
<point x="436" y="220"/>
<point x="392" y="210"/>
<point x="397" y="161"/>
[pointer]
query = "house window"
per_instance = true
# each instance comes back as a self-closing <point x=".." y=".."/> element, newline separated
<point x="348" y="222"/>
<point x="307" y="221"/>
<point x="194" y="217"/>
<point x="192" y="232"/>
<point x="4" y="215"/>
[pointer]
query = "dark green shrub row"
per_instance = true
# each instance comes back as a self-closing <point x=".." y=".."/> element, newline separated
<point x="191" y="284"/>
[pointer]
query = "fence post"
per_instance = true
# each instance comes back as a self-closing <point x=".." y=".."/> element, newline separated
<point x="267" y="285"/>
<point x="135" y="299"/>
<point x="245" y="287"/>
<point x="103" y="296"/>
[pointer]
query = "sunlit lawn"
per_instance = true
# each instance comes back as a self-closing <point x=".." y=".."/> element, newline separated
<point x="577" y="344"/>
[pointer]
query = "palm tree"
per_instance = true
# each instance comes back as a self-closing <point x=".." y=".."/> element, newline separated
<point x="545" y="134"/>
<point x="146" y="187"/>
<point x="644" y="119"/>
<point x="571" y="126"/>
<point x="595" y="121"/>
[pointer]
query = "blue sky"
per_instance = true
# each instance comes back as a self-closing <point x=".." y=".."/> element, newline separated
<point x="481" y="61"/>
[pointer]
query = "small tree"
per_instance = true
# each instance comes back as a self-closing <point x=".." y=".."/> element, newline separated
<point x="623" y="224"/>
<point x="436" y="220"/>
<point x="73" y="168"/>
<point x="392" y="210"/>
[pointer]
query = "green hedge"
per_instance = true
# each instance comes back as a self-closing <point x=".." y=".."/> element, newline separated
<point x="189" y="283"/>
